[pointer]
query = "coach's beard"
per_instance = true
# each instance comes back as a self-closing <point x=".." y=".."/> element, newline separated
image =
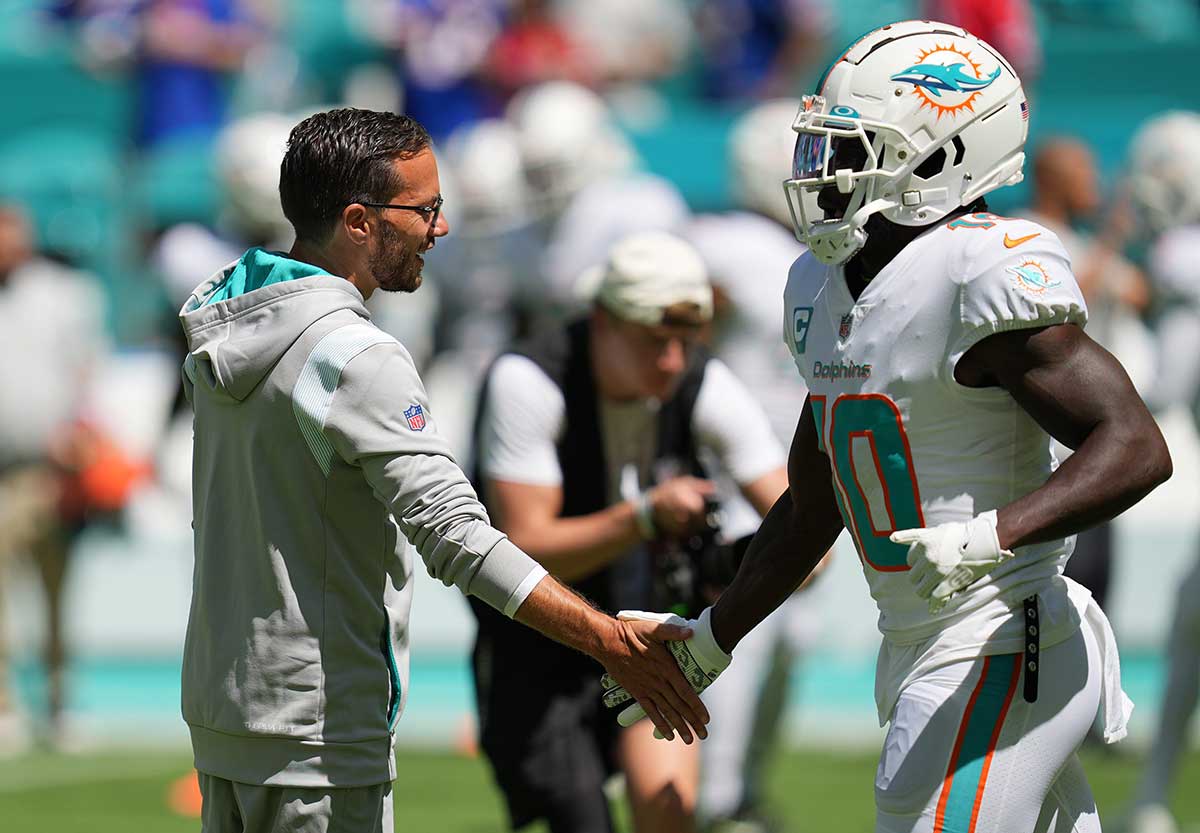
<point x="395" y="266"/>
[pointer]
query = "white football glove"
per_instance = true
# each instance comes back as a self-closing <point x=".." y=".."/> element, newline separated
<point x="950" y="557"/>
<point x="700" y="659"/>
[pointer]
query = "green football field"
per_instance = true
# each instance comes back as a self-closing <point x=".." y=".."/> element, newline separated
<point x="440" y="791"/>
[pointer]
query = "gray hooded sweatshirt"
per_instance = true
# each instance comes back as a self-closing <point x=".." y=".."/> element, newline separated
<point x="315" y="458"/>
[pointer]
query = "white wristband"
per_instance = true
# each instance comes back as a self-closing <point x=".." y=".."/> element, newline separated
<point x="643" y="516"/>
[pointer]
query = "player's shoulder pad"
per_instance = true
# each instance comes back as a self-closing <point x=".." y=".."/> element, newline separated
<point x="805" y="278"/>
<point x="1011" y="271"/>
<point x="985" y="243"/>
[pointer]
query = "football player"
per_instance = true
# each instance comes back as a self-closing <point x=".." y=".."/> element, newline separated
<point x="1164" y="176"/>
<point x="943" y="346"/>
<point x="587" y="184"/>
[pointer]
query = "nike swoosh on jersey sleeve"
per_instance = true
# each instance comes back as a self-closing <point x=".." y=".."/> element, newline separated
<point x="1013" y="242"/>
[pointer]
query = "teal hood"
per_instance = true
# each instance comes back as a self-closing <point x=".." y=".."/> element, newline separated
<point x="241" y="320"/>
<point x="258" y="268"/>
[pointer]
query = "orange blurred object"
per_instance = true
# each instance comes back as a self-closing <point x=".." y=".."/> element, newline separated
<point x="184" y="798"/>
<point x="466" y="735"/>
<point x="100" y="474"/>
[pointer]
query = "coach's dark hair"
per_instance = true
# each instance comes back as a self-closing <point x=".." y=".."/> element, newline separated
<point x="341" y="157"/>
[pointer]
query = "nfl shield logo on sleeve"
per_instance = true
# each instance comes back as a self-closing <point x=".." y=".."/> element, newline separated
<point x="415" y="417"/>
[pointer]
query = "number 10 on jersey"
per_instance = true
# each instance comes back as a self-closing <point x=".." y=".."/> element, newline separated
<point x="874" y="478"/>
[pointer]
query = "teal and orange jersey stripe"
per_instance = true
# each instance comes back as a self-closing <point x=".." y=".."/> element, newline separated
<point x="966" y="777"/>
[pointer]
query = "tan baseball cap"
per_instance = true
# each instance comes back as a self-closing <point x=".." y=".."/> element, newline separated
<point x="651" y="276"/>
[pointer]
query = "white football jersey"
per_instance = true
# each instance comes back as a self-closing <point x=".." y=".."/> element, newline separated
<point x="907" y="444"/>
<point x="1173" y="264"/>
<point x="748" y="257"/>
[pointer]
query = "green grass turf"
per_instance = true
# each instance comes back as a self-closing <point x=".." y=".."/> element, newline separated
<point x="436" y="791"/>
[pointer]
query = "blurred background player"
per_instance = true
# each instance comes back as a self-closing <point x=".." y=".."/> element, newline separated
<point x="1066" y="198"/>
<point x="55" y="467"/>
<point x="1164" y="184"/>
<point x="748" y="253"/>
<point x="247" y="156"/>
<point x="487" y="272"/>
<point x="587" y="182"/>
<point x="589" y="445"/>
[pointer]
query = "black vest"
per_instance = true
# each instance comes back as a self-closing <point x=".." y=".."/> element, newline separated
<point x="564" y="355"/>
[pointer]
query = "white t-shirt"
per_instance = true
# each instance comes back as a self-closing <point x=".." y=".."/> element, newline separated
<point x="748" y="257"/>
<point x="1174" y="264"/>
<point x="524" y="417"/>
<point x="51" y="337"/>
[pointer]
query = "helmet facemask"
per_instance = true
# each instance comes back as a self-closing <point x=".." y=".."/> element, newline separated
<point x="937" y="119"/>
<point x="840" y="170"/>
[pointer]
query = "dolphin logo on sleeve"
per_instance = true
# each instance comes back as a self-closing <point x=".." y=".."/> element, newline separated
<point x="1033" y="277"/>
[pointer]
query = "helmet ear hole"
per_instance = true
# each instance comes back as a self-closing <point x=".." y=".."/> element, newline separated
<point x="932" y="166"/>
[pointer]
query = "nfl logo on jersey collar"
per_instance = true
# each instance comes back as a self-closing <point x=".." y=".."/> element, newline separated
<point x="846" y="324"/>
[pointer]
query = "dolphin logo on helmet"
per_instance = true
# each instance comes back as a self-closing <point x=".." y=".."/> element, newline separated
<point x="952" y="78"/>
<point x="912" y="144"/>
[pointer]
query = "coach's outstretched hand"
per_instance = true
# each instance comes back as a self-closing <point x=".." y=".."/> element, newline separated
<point x="952" y="556"/>
<point x="699" y="658"/>
<point x="643" y="668"/>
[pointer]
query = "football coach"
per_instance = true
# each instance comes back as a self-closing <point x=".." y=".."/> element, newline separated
<point x="317" y="460"/>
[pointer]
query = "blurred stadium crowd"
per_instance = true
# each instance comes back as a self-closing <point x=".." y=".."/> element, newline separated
<point x="143" y="137"/>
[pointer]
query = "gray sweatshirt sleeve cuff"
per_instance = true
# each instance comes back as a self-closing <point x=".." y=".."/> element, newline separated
<point x="506" y="576"/>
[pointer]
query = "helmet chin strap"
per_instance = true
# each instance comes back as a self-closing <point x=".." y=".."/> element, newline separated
<point x="854" y="230"/>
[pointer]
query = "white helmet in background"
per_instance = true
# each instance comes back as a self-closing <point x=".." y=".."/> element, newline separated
<point x="1164" y="171"/>
<point x="492" y="194"/>
<point x="914" y="120"/>
<point x="568" y="139"/>
<point x="760" y="156"/>
<point x="248" y="155"/>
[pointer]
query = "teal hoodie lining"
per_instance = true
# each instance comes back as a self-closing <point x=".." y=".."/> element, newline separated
<point x="258" y="268"/>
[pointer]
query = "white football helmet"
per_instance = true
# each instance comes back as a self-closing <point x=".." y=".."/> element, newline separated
<point x="916" y="119"/>
<point x="248" y="155"/>
<point x="568" y="139"/>
<point x="1164" y="172"/>
<point x="760" y="153"/>
<point x="485" y="158"/>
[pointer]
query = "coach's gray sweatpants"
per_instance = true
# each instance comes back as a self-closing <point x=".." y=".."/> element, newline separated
<point x="230" y="807"/>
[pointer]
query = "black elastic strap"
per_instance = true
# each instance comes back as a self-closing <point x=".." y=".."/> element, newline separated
<point x="1032" y="647"/>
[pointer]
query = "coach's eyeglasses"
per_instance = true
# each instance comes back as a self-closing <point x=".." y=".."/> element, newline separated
<point x="428" y="212"/>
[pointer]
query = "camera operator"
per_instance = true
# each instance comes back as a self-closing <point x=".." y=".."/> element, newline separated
<point x="588" y="443"/>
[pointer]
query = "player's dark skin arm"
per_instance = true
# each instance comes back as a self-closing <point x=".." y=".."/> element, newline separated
<point x="793" y="538"/>
<point x="1080" y="395"/>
